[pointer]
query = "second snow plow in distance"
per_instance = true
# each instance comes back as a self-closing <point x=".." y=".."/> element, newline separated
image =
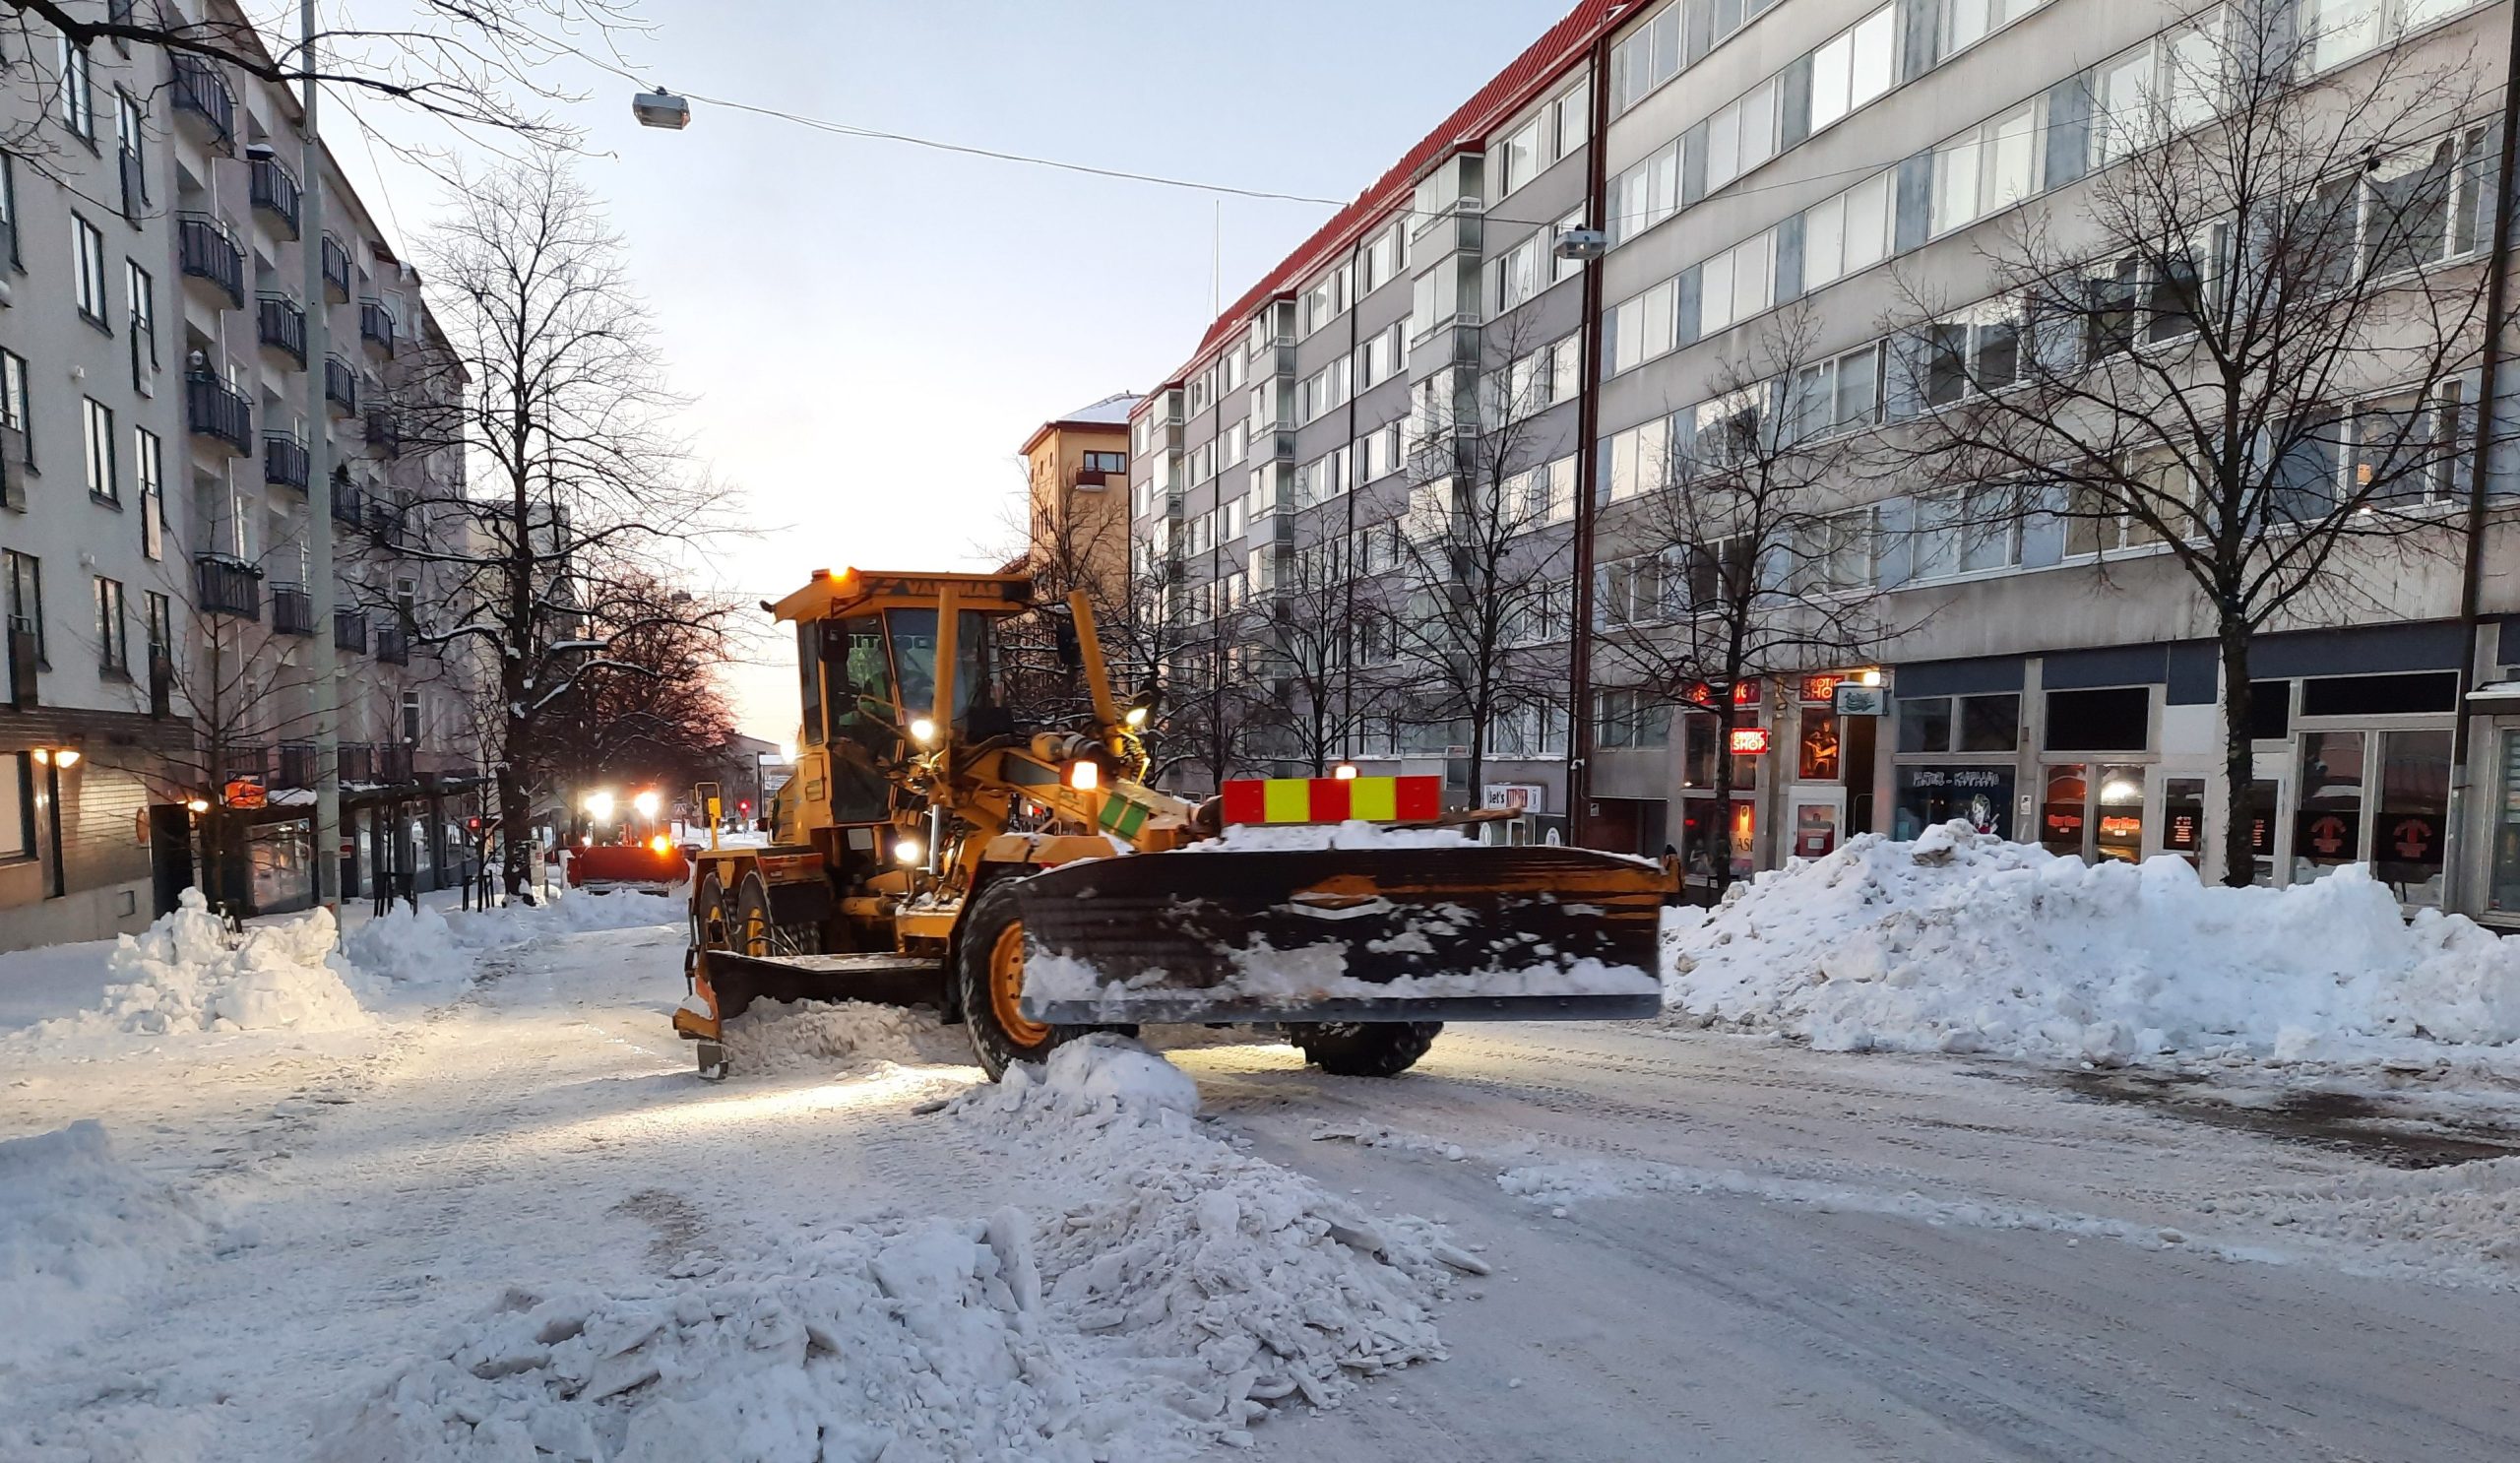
<point x="931" y="846"/>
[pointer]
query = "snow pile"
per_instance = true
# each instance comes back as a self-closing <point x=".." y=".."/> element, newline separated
<point x="778" y="1036"/>
<point x="1165" y="1292"/>
<point x="77" y="1228"/>
<point x="568" y="911"/>
<point x="186" y="974"/>
<point x="415" y="953"/>
<point x="1964" y="943"/>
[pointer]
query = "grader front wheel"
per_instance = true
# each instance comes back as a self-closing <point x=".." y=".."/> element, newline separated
<point x="988" y="973"/>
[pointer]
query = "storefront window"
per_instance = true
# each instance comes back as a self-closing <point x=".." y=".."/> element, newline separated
<point x="1817" y="757"/>
<point x="2505" y="893"/>
<point x="2184" y="817"/>
<point x="2118" y="813"/>
<point x="1989" y="723"/>
<point x="1981" y="797"/>
<point x="1924" y="725"/>
<point x="2066" y="789"/>
<point x="2414" y="796"/>
<point x="2263" y="795"/>
<point x="280" y="863"/>
<point x="2115" y="720"/>
<point x="2327" y="831"/>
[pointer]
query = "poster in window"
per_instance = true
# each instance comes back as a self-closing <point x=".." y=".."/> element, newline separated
<point x="2328" y="836"/>
<point x="1818" y="759"/>
<point x="1815" y="830"/>
<point x="1981" y="797"/>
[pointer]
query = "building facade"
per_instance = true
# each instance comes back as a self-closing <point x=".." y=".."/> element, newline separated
<point x="157" y="526"/>
<point x="1529" y="314"/>
<point x="1076" y="470"/>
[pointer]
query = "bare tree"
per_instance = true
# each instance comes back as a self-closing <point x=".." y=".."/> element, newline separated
<point x="650" y="709"/>
<point x="1480" y="574"/>
<point x="1739" y="560"/>
<point x="2244" y="348"/>
<point x="1320" y="637"/>
<point x="578" y="495"/>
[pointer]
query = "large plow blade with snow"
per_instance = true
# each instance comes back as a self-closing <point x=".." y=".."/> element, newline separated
<point x="1469" y="933"/>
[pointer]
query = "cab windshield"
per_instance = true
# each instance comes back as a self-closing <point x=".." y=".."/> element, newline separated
<point x="913" y="634"/>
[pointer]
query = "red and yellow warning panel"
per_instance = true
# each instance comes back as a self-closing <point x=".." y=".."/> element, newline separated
<point x="1332" y="800"/>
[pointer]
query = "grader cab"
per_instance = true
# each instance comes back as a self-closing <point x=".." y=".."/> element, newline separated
<point x="932" y="847"/>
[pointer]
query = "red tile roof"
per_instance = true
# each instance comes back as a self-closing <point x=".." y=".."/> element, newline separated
<point x="1560" y="50"/>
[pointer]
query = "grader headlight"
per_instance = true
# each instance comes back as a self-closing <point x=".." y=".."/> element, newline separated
<point x="1084" y="776"/>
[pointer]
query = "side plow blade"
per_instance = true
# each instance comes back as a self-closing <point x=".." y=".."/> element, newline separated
<point x="1469" y="933"/>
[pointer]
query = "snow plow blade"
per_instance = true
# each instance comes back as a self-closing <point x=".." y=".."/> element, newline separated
<point x="1471" y="933"/>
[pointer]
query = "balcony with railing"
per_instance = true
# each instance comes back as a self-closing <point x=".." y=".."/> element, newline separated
<point x="376" y="325"/>
<point x="385" y="431"/>
<point x="297" y="766"/>
<point x="349" y="631"/>
<point x="206" y="250"/>
<point x="387" y="524"/>
<point x="340" y="386"/>
<point x="284" y="462"/>
<point x="282" y="324"/>
<point x="393" y="761"/>
<point x="204" y="104"/>
<point x="292" y="609"/>
<point x="216" y="409"/>
<point x="350" y="505"/>
<point x="357" y="761"/>
<point x="275" y="190"/>
<point x="226" y="586"/>
<point x="393" y="644"/>
<point x="337" y="270"/>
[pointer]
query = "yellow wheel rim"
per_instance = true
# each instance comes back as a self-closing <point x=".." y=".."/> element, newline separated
<point x="1006" y="988"/>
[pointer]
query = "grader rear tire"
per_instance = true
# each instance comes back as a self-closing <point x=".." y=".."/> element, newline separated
<point x="755" y="932"/>
<point x="1364" y="1049"/>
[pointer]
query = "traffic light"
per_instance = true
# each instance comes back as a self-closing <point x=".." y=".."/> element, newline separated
<point x="743" y="806"/>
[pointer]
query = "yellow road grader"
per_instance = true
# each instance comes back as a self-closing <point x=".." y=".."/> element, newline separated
<point x="1022" y="879"/>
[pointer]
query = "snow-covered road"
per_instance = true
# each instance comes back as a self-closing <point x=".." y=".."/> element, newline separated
<point x="1704" y="1246"/>
<point x="1739" y="1251"/>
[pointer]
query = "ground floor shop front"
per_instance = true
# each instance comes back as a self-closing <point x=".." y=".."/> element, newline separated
<point x="2113" y="753"/>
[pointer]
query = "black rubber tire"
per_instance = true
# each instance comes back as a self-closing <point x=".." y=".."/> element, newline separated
<point x="994" y="1046"/>
<point x="784" y="939"/>
<point x="708" y="904"/>
<point x="1364" y="1049"/>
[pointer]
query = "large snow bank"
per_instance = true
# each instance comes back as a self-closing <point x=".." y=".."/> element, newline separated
<point x="185" y="974"/>
<point x="78" y="1228"/>
<point x="1961" y="941"/>
<point x="1159" y="1294"/>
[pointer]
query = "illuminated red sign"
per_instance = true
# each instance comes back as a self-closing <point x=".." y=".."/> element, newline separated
<point x="1750" y="742"/>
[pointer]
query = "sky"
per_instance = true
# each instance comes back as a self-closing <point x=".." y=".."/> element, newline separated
<point x="870" y="329"/>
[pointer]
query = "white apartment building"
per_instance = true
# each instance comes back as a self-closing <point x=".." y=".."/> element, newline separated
<point x="156" y="521"/>
<point x="1834" y="164"/>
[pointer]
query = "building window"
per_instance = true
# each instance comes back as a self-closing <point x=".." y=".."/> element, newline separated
<point x="159" y="619"/>
<point x="411" y="717"/>
<point x="21" y="579"/>
<point x="148" y="475"/>
<point x="78" y="90"/>
<point x="143" y="320"/>
<point x="113" y="643"/>
<point x="88" y="247"/>
<point x="103" y="485"/>
<point x="13" y="413"/>
<point x="1107" y="462"/>
<point x="9" y="207"/>
<point x="1632" y="718"/>
<point x="2115" y="720"/>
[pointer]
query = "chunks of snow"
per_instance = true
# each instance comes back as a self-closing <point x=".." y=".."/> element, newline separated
<point x="1960" y="941"/>
<point x="184" y="973"/>
<point x="79" y="1226"/>
<point x="1155" y="1295"/>
<point x="824" y="1036"/>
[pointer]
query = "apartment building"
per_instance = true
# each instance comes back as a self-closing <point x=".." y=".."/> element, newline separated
<point x="1076" y="470"/>
<point x="158" y="523"/>
<point x="1851" y="171"/>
